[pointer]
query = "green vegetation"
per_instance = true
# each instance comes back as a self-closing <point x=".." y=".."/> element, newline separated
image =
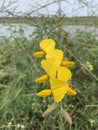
<point x="87" y="20"/>
<point x="19" y="105"/>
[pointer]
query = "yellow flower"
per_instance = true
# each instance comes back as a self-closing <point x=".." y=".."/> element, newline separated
<point x="55" y="53"/>
<point x="44" y="93"/>
<point x="58" y="89"/>
<point x="67" y="63"/>
<point x="71" y="91"/>
<point x="39" y="54"/>
<point x="52" y="63"/>
<point x="63" y="74"/>
<point x="46" y="45"/>
<point x="90" y="66"/>
<point x="53" y="69"/>
<point x="42" y="78"/>
<point x="51" y="66"/>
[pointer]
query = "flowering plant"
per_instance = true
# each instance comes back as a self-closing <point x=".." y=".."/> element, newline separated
<point x="57" y="72"/>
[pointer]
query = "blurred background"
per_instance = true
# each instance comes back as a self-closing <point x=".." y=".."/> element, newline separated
<point x="22" y="13"/>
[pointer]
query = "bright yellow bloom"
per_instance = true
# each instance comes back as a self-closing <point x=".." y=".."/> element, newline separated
<point x="44" y="93"/>
<point x="52" y="63"/>
<point x="55" y="53"/>
<point x="56" y="71"/>
<point x="39" y="54"/>
<point x="58" y="89"/>
<point x="53" y="69"/>
<point x="64" y="74"/>
<point x="71" y="91"/>
<point x="50" y="66"/>
<point x="47" y="45"/>
<point x="42" y="78"/>
<point x="67" y="63"/>
<point x="90" y="66"/>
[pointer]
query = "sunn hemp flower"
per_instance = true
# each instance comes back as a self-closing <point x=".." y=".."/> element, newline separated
<point x="56" y="71"/>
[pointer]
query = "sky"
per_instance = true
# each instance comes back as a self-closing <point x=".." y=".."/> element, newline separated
<point x="37" y="7"/>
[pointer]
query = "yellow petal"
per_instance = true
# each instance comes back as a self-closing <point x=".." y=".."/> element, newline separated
<point x="50" y="66"/>
<point x="55" y="53"/>
<point x="44" y="93"/>
<point x="47" y="45"/>
<point x="70" y="91"/>
<point x="67" y="63"/>
<point x="58" y="88"/>
<point x="53" y="61"/>
<point x="42" y="78"/>
<point x="39" y="54"/>
<point x="63" y="74"/>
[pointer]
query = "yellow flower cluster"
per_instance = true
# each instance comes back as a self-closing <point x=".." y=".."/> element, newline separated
<point x="57" y="71"/>
<point x="89" y="66"/>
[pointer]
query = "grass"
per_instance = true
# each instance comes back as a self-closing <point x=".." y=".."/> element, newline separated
<point x="19" y="105"/>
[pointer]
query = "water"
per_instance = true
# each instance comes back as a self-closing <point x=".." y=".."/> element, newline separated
<point x="73" y="29"/>
<point x="18" y="30"/>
